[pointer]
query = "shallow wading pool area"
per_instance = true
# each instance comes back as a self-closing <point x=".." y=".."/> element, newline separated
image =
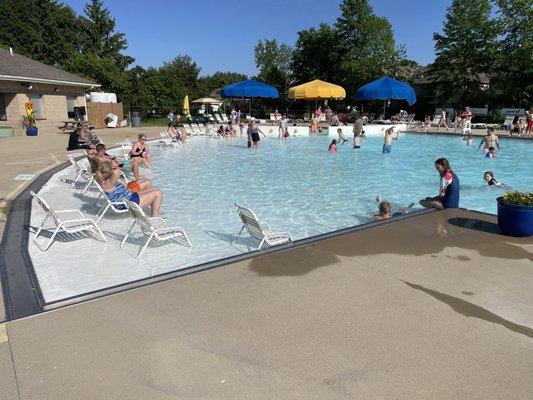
<point x="295" y="185"/>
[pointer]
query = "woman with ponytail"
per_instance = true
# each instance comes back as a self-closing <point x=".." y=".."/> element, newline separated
<point x="109" y="178"/>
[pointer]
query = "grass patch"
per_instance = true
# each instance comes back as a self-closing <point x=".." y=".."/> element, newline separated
<point x="154" y="122"/>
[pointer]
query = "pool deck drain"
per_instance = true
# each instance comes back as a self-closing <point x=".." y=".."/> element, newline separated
<point x="439" y="305"/>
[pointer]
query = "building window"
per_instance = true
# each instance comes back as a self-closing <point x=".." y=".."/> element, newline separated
<point x="71" y="103"/>
<point x="3" y="115"/>
<point x="37" y="101"/>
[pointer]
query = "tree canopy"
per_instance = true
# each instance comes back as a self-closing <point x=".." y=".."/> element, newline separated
<point x="465" y="50"/>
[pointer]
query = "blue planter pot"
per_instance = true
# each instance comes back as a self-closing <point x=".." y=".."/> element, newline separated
<point x="515" y="220"/>
<point x="32" y="131"/>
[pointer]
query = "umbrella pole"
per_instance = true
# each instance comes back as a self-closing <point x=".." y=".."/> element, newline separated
<point x="250" y="107"/>
<point x="384" y="105"/>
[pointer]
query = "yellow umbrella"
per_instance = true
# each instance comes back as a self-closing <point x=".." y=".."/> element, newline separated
<point x="186" y="108"/>
<point x="317" y="90"/>
<point x="207" y="100"/>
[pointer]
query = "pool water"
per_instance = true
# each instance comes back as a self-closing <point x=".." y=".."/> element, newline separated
<point x="297" y="186"/>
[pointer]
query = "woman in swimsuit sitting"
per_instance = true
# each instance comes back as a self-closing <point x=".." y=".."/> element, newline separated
<point x="109" y="178"/>
<point x="140" y="149"/>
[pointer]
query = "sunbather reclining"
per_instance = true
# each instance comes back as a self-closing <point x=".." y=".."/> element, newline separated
<point x="109" y="178"/>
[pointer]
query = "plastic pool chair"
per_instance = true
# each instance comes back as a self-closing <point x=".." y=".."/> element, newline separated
<point x="81" y="172"/>
<point x="153" y="227"/>
<point x="71" y="226"/>
<point x="260" y="230"/>
<point x="119" y="207"/>
<point x="166" y="141"/>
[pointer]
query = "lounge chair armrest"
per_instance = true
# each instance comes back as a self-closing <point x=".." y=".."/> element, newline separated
<point x="159" y="219"/>
<point x="70" y="211"/>
<point x="264" y="224"/>
<point x="78" y="220"/>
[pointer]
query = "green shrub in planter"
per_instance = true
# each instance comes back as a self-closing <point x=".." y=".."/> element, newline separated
<point x="518" y="198"/>
<point x="515" y="213"/>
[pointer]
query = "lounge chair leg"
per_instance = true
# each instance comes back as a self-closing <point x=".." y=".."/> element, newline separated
<point x="127" y="234"/>
<point x="238" y="235"/>
<point x="102" y="215"/>
<point x="100" y="232"/>
<point x="145" y="245"/>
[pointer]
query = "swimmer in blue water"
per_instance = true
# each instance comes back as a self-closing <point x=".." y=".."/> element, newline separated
<point x="491" y="153"/>
<point x="491" y="181"/>
<point x="385" y="210"/>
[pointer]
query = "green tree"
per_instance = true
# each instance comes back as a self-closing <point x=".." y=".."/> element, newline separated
<point x="316" y="55"/>
<point x="466" y="49"/>
<point x="512" y="77"/>
<point x="212" y="84"/>
<point x="366" y="43"/>
<point x="43" y="30"/>
<point x="274" y="63"/>
<point x="98" y="34"/>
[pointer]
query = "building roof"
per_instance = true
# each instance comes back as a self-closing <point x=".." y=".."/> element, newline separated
<point x="15" y="67"/>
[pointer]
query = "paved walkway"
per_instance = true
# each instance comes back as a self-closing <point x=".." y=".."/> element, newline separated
<point x="437" y="306"/>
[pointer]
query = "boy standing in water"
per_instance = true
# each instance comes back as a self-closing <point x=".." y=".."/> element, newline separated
<point x="387" y="145"/>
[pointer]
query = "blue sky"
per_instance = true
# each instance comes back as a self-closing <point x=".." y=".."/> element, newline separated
<point x="221" y="35"/>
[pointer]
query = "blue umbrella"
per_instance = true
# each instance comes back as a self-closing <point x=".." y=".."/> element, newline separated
<point x="386" y="88"/>
<point x="250" y="89"/>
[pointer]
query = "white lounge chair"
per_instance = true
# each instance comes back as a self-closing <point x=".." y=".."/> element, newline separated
<point x="153" y="227"/>
<point x="118" y="207"/>
<point x="436" y="120"/>
<point x="71" y="226"/>
<point x="166" y="141"/>
<point x="81" y="172"/>
<point x="225" y="118"/>
<point x="260" y="230"/>
<point x="188" y="129"/>
<point x="508" y="122"/>
<point x="218" y="119"/>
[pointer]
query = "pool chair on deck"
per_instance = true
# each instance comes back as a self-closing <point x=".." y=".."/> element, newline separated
<point x="153" y="227"/>
<point x="71" y="226"/>
<point x="260" y="230"/>
<point x="436" y="120"/>
<point x="118" y="207"/>
<point x="166" y="141"/>
<point x="81" y="172"/>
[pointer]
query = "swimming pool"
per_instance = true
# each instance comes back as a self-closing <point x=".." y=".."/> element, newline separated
<point x="294" y="185"/>
<point x="297" y="186"/>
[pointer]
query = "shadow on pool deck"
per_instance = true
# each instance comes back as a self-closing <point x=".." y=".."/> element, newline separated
<point x="427" y="234"/>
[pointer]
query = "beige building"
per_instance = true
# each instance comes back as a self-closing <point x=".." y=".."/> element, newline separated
<point x="53" y="92"/>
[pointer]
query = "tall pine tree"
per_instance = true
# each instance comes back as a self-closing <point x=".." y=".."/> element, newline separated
<point x="465" y="50"/>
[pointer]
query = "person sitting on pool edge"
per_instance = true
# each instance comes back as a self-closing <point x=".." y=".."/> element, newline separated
<point x="101" y="156"/>
<point x="109" y="178"/>
<point x="491" y="181"/>
<point x="449" y="188"/>
<point x="140" y="150"/>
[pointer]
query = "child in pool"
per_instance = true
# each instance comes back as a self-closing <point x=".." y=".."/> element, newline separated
<point x="342" y="139"/>
<point x="469" y="141"/>
<point x="491" y="181"/>
<point x="333" y="146"/>
<point x="491" y="153"/>
<point x="384" y="212"/>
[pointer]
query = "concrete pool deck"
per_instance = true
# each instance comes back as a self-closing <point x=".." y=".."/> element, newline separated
<point x="439" y="305"/>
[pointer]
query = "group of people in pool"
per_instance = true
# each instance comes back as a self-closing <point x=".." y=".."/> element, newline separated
<point x="448" y="196"/>
<point x="109" y="170"/>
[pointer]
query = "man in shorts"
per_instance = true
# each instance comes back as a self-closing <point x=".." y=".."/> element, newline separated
<point x="490" y="140"/>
